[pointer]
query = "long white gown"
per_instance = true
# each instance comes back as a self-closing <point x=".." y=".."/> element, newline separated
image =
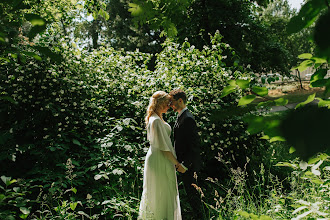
<point x="160" y="196"/>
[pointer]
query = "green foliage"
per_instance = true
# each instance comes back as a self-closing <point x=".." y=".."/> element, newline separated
<point x="321" y="66"/>
<point x="72" y="121"/>
<point x="307" y="136"/>
<point x="90" y="108"/>
<point x="291" y="128"/>
<point x="306" y="16"/>
<point x="256" y="33"/>
<point x="253" y="216"/>
<point x="160" y="14"/>
<point x="322" y="34"/>
<point x="261" y="91"/>
<point x="314" y="12"/>
<point x="14" y="203"/>
<point x="309" y="196"/>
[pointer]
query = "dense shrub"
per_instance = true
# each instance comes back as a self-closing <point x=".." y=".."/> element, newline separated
<point x="77" y="127"/>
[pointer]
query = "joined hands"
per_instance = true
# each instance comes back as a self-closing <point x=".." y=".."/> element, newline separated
<point x="180" y="168"/>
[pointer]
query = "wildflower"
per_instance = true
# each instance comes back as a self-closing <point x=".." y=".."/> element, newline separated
<point x="89" y="196"/>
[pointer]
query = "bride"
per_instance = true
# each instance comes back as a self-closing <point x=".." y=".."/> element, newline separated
<point x="160" y="197"/>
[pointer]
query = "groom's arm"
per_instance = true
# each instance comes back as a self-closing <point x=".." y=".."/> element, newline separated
<point x="191" y="139"/>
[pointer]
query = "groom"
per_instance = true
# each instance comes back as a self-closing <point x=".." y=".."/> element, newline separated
<point x="187" y="147"/>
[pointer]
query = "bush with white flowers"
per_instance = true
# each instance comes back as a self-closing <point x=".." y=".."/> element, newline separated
<point x="90" y="108"/>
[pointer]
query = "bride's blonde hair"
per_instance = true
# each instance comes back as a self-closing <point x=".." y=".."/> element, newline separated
<point x="156" y="101"/>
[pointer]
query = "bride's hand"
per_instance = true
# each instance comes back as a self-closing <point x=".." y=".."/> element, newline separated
<point x="180" y="168"/>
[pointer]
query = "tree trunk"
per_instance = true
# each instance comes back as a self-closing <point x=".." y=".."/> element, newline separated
<point x="299" y="77"/>
<point x="94" y="34"/>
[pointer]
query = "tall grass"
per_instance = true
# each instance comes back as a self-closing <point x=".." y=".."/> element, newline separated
<point x="303" y="193"/>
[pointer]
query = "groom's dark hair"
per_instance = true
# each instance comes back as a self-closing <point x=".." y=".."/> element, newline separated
<point x="179" y="93"/>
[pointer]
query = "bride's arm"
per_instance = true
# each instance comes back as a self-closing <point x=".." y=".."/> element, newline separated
<point x="170" y="156"/>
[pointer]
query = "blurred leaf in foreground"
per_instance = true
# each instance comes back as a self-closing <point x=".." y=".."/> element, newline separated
<point x="307" y="130"/>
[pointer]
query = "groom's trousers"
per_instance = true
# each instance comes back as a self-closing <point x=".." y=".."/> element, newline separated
<point x="193" y="195"/>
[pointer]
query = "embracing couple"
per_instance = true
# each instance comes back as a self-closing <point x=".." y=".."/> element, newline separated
<point x="160" y="196"/>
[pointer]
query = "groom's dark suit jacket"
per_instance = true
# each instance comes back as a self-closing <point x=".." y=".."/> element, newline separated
<point x="187" y="141"/>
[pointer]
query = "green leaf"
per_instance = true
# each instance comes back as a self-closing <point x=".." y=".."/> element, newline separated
<point x="104" y="14"/>
<point x="306" y="16"/>
<point x="269" y="125"/>
<point x="12" y="181"/>
<point x="39" y="24"/>
<point x="243" y="84"/>
<point x="295" y="24"/>
<point x="47" y="52"/>
<point x="135" y="9"/>
<point x="74" y="190"/>
<point x="31" y="54"/>
<point x="309" y="99"/>
<point x="304" y="65"/>
<point x="73" y="205"/>
<point x="227" y="90"/>
<point x="8" y="98"/>
<point x="281" y="101"/>
<point x="314" y="160"/>
<point x="270" y="79"/>
<point x="232" y="82"/>
<point x="319" y="83"/>
<point x="22" y="216"/>
<point x="265" y="137"/>
<point x="319" y="74"/>
<point x="317" y="181"/>
<point x="75" y="141"/>
<point x="246" y="100"/>
<point x="24" y="210"/>
<point x="292" y="150"/>
<point x="286" y="164"/>
<point x="322" y="35"/>
<point x="4" y="60"/>
<point x="171" y="30"/>
<point x="324" y="156"/>
<point x="276" y="138"/>
<point x="265" y="217"/>
<point x="243" y="214"/>
<point x="262" y="91"/>
<point x="305" y="56"/>
<point x="7" y="180"/>
<point x="318" y="60"/>
<point x="185" y="45"/>
<point x="36" y="30"/>
<point x="35" y="19"/>
<point x="267" y="103"/>
<point x="323" y="103"/>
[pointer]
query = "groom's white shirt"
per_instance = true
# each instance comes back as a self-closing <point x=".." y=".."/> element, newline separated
<point x="179" y="114"/>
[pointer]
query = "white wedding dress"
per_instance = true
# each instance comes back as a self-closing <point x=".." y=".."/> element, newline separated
<point x="160" y="196"/>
